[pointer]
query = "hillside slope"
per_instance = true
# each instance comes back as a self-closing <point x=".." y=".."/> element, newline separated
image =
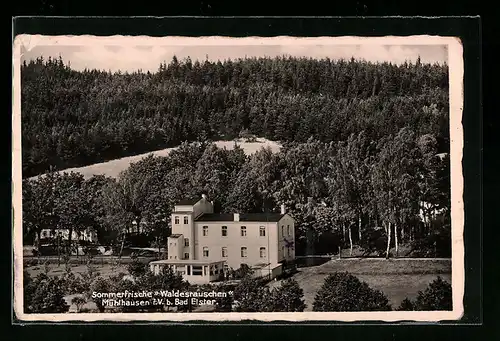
<point x="114" y="167"/>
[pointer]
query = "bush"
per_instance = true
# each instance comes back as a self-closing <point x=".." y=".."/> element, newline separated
<point x="342" y="291"/>
<point x="252" y="296"/>
<point x="73" y="284"/>
<point x="28" y="291"/>
<point x="224" y="304"/>
<point x="288" y="297"/>
<point x="136" y="268"/>
<point x="100" y="285"/>
<point x="406" y="305"/>
<point x="437" y="296"/>
<point x="45" y="295"/>
<point x="243" y="271"/>
<point x="79" y="301"/>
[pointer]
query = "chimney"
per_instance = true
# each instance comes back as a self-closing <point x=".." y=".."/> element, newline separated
<point x="204" y="196"/>
<point x="283" y="209"/>
<point x="236" y="217"/>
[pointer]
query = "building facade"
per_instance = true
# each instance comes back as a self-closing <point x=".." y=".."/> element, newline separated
<point x="263" y="241"/>
<point x="89" y="235"/>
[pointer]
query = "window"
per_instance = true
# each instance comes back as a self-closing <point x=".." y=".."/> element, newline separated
<point x="289" y="252"/>
<point x="224" y="231"/>
<point x="224" y="252"/>
<point x="288" y="230"/>
<point x="262" y="252"/>
<point x="205" y="231"/>
<point x="243" y="231"/>
<point x="186" y="255"/>
<point x="205" y="270"/>
<point x="282" y="230"/>
<point x="170" y="244"/>
<point x="176" y="220"/>
<point x="186" y="242"/>
<point x="283" y="250"/>
<point x="244" y="252"/>
<point x="205" y="251"/>
<point x="262" y="231"/>
<point x="188" y="270"/>
<point x="197" y="271"/>
<point x="186" y="219"/>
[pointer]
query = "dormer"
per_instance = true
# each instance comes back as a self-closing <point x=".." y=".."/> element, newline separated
<point x="194" y="206"/>
<point x="186" y="205"/>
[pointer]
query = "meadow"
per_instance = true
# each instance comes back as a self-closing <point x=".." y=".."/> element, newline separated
<point x="397" y="278"/>
<point x="114" y="167"/>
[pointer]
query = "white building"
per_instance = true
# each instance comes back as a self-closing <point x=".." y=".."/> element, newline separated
<point x="204" y="243"/>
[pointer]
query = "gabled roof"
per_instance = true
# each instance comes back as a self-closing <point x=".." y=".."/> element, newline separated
<point x="254" y="217"/>
<point x="187" y="202"/>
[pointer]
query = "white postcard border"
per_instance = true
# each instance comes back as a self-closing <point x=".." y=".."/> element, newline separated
<point x="456" y="72"/>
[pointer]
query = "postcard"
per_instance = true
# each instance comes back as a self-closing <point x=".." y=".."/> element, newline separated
<point x="228" y="179"/>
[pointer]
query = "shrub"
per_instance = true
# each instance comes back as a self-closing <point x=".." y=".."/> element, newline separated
<point x="288" y="297"/>
<point x="167" y="279"/>
<point x="88" y="277"/>
<point x="28" y="291"/>
<point x="100" y="285"/>
<point x="437" y="296"/>
<point x="79" y="301"/>
<point x="73" y="284"/>
<point x="252" y="296"/>
<point x="243" y="271"/>
<point x="406" y="305"/>
<point x="45" y="295"/>
<point x="224" y="304"/>
<point x="136" y="268"/>
<point x="342" y="291"/>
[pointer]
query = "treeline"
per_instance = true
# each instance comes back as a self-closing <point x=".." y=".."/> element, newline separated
<point x="72" y="118"/>
<point x="374" y="194"/>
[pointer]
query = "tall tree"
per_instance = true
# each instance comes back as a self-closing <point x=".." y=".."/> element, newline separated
<point x="39" y="208"/>
<point x="395" y="182"/>
<point x="73" y="206"/>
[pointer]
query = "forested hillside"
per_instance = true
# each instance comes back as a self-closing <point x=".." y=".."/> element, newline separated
<point x="72" y="118"/>
<point x="354" y="192"/>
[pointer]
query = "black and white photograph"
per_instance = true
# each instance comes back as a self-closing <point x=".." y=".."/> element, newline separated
<point x="218" y="178"/>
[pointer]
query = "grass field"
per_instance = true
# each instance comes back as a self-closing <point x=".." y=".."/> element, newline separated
<point x="114" y="167"/>
<point x="398" y="279"/>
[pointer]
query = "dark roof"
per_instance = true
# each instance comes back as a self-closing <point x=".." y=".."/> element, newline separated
<point x="187" y="201"/>
<point x="271" y="217"/>
<point x="175" y="235"/>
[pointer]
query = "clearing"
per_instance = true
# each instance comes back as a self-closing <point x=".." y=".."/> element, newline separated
<point x="397" y="278"/>
<point x="114" y="167"/>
